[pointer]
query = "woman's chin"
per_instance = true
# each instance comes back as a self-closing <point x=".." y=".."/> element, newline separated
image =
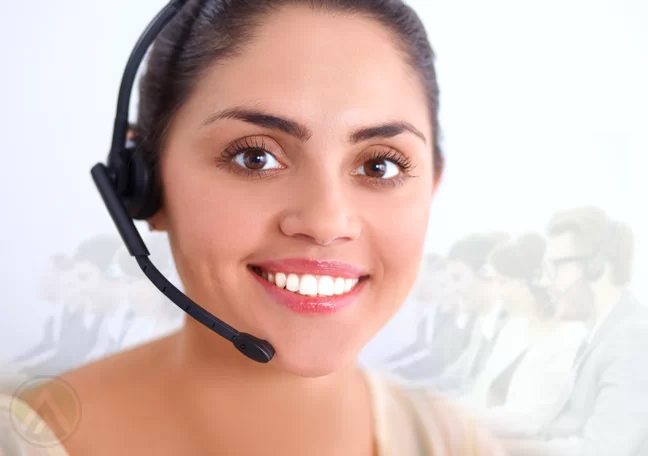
<point x="313" y="362"/>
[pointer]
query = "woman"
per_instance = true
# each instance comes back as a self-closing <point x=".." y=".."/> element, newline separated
<point x="297" y="143"/>
<point x="531" y="362"/>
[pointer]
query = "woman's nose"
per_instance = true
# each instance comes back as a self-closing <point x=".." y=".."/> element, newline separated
<point x="323" y="213"/>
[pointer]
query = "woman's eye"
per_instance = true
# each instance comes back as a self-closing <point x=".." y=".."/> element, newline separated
<point x="378" y="168"/>
<point x="256" y="160"/>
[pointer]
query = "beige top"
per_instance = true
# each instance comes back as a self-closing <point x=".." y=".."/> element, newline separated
<point x="407" y="423"/>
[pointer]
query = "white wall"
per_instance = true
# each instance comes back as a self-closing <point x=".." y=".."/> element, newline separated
<point x="543" y="107"/>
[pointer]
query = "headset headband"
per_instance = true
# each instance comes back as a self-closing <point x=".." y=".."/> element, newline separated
<point x="120" y="129"/>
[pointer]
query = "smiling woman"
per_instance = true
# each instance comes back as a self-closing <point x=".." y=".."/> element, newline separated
<point x="296" y="143"/>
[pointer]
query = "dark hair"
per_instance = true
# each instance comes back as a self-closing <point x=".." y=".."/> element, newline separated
<point x="594" y="234"/>
<point x="520" y="258"/>
<point x="473" y="250"/>
<point x="207" y="31"/>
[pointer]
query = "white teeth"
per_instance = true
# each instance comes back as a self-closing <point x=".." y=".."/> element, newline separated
<point x="349" y="284"/>
<point x="308" y="285"/>
<point x="311" y="285"/>
<point x="280" y="279"/>
<point x="339" y="286"/>
<point x="325" y="286"/>
<point x="292" y="282"/>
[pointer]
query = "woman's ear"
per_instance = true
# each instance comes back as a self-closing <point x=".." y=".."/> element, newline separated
<point x="158" y="222"/>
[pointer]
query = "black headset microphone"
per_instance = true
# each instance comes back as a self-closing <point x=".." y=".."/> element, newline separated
<point x="130" y="191"/>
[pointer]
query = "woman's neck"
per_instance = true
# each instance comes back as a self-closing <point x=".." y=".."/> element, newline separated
<point x="218" y="380"/>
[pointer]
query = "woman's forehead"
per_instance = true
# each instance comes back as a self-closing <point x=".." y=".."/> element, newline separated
<point x="321" y="78"/>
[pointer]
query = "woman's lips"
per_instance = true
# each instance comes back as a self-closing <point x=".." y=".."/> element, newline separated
<point x="311" y="287"/>
<point x="314" y="267"/>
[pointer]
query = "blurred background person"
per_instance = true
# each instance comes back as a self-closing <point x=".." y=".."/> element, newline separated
<point x="85" y="296"/>
<point x="515" y="265"/>
<point x="445" y="330"/>
<point x="482" y="303"/>
<point x="604" y="410"/>
<point x="530" y="365"/>
<point x="104" y="303"/>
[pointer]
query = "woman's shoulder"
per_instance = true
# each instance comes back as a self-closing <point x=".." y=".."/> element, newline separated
<point x="24" y="432"/>
<point x="101" y="392"/>
<point x="415" y="421"/>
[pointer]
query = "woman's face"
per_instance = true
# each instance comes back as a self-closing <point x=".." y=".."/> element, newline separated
<point x="312" y="146"/>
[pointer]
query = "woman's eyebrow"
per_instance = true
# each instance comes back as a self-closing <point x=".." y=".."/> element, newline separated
<point x="303" y="133"/>
<point x="388" y="130"/>
<point x="262" y="119"/>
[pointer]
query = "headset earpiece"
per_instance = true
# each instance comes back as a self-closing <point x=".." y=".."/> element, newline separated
<point x="141" y="194"/>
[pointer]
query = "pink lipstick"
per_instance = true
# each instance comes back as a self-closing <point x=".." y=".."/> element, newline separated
<point x="310" y="286"/>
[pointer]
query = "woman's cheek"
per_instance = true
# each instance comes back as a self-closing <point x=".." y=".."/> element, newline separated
<point x="399" y="238"/>
<point x="212" y="216"/>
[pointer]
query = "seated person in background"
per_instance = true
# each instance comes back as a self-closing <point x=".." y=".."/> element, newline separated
<point x="484" y="305"/>
<point x="605" y="409"/>
<point x="421" y="362"/>
<point x="84" y="293"/>
<point x="530" y="365"/>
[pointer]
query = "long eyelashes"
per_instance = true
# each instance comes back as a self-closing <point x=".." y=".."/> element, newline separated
<point x="404" y="163"/>
<point x="257" y="144"/>
<point x="248" y="144"/>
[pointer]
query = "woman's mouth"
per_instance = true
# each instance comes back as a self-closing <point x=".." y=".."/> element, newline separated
<point x="308" y="284"/>
<point x="310" y="293"/>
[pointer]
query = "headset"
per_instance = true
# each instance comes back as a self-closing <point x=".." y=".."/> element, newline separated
<point x="594" y="266"/>
<point x="130" y="191"/>
<point x="594" y="263"/>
